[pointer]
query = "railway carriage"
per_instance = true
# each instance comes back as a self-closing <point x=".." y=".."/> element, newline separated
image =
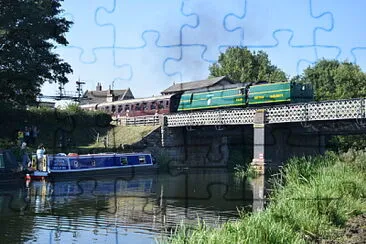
<point x="137" y="107"/>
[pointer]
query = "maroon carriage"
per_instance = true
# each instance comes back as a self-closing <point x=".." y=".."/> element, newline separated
<point x="135" y="107"/>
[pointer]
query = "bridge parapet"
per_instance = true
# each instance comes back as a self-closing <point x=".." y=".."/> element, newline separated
<point x="288" y="113"/>
<point x="213" y="117"/>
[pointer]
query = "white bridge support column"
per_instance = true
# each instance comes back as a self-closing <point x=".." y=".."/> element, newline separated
<point x="259" y="142"/>
<point x="259" y="193"/>
<point x="163" y="128"/>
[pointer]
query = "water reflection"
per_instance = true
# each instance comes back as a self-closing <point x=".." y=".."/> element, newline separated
<point x="117" y="209"/>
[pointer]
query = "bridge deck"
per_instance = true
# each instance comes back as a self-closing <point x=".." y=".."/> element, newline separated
<point x="301" y="112"/>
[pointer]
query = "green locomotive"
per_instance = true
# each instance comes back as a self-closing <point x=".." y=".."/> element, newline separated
<point x="242" y="95"/>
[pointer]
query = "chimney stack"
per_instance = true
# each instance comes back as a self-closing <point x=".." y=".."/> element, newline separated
<point x="99" y="86"/>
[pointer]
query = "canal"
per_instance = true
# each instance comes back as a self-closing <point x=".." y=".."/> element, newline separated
<point x="127" y="209"/>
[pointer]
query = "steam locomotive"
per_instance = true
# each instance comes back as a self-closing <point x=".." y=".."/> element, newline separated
<point x="233" y="96"/>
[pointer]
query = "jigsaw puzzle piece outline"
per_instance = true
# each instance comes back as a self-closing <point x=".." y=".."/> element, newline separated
<point x="147" y="25"/>
<point x="90" y="72"/>
<point x="195" y="34"/>
<point x="360" y="61"/>
<point x="150" y="52"/>
<point x="329" y="37"/>
<point x="299" y="36"/>
<point x="81" y="29"/>
<point x="180" y="67"/>
<point x="273" y="50"/>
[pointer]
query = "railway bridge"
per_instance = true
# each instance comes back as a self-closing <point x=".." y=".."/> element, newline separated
<point x="272" y="134"/>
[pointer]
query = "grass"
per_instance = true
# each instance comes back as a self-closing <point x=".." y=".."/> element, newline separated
<point x="243" y="172"/>
<point x="122" y="135"/>
<point x="311" y="200"/>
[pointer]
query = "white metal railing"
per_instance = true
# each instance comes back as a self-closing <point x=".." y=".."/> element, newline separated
<point x="313" y="111"/>
<point x="139" y="120"/>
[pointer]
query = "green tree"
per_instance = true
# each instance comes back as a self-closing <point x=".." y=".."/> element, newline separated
<point x="73" y="108"/>
<point x="240" y="64"/>
<point x="332" y="79"/>
<point x="29" y="30"/>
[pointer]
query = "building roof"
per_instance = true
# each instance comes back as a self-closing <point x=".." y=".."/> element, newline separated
<point x="101" y="96"/>
<point x="181" y="87"/>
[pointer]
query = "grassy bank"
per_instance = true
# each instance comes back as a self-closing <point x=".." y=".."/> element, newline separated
<point x="313" y="198"/>
<point x="122" y="135"/>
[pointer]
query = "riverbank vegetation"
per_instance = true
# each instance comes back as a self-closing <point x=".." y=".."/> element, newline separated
<point x="312" y="199"/>
<point x="71" y="128"/>
<point x="243" y="172"/>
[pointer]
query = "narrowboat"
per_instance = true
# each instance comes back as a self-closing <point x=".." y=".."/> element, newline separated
<point x="75" y="165"/>
<point x="9" y="168"/>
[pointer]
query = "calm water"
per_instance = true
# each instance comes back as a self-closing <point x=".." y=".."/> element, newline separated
<point x="118" y="210"/>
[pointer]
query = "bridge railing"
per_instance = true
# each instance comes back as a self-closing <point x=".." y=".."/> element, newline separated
<point x="139" y="120"/>
<point x="301" y="112"/>
<point x="213" y="117"/>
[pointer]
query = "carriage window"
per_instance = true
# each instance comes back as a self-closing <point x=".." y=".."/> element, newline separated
<point x="120" y="108"/>
<point x="142" y="159"/>
<point x="113" y="108"/>
<point x="137" y="107"/>
<point x="131" y="107"/>
<point x="161" y="105"/>
<point x="106" y="108"/>
<point x="153" y="106"/>
<point x="167" y="103"/>
<point x="127" y="107"/>
<point x="144" y="106"/>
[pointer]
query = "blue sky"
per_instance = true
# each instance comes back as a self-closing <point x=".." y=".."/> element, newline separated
<point x="147" y="45"/>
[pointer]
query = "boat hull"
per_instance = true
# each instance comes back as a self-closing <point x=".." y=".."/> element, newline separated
<point x="73" y="165"/>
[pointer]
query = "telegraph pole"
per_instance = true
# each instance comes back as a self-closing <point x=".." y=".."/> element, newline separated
<point x="79" y="89"/>
<point x="61" y="91"/>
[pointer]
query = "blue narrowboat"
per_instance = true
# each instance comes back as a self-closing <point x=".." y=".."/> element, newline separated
<point x="102" y="163"/>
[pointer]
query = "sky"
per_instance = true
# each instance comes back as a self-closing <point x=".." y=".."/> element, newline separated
<point x="147" y="45"/>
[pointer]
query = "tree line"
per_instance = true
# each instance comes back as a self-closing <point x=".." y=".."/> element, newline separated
<point x="331" y="79"/>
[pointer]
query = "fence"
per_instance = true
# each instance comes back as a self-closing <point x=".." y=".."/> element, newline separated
<point x="139" y="120"/>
